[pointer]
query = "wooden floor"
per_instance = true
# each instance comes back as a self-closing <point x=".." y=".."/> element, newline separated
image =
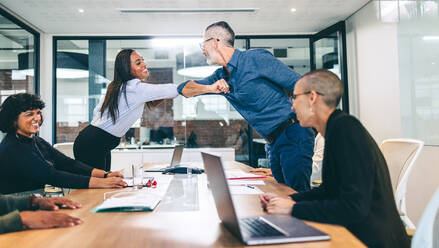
<point x="178" y="222"/>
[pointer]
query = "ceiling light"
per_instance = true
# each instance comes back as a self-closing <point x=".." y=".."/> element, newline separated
<point x="172" y="42"/>
<point x="430" y="37"/>
<point x="198" y="71"/>
<point x="81" y="10"/>
<point x="293" y="10"/>
<point x="197" y="10"/>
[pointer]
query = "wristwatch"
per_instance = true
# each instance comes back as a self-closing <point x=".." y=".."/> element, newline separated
<point x="33" y="203"/>
<point x="106" y="174"/>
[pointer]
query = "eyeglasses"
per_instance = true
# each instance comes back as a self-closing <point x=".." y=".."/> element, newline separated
<point x="202" y="43"/>
<point x="293" y="96"/>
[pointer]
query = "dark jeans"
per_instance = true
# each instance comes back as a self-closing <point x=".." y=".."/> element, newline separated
<point x="291" y="157"/>
<point x="93" y="146"/>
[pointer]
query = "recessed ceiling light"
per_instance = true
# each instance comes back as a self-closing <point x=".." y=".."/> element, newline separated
<point x="193" y="11"/>
<point x="293" y="10"/>
<point x="81" y="10"/>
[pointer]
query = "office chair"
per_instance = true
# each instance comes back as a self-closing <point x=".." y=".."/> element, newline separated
<point x="65" y="148"/>
<point x="427" y="233"/>
<point x="400" y="155"/>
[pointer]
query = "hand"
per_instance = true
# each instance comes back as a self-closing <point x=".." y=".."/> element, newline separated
<point x="220" y="86"/>
<point x="44" y="219"/>
<point x="110" y="182"/>
<point x="264" y="171"/>
<point x="265" y="199"/>
<point x="54" y="203"/>
<point x="278" y="205"/>
<point x="115" y="174"/>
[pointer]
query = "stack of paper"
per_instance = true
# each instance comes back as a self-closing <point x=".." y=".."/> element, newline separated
<point x="239" y="174"/>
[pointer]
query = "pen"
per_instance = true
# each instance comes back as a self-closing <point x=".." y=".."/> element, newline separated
<point x="250" y="186"/>
<point x="132" y="168"/>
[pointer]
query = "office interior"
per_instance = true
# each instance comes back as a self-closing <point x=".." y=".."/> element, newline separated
<point x="385" y="52"/>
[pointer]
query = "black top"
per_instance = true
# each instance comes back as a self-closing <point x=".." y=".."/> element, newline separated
<point x="356" y="191"/>
<point x="30" y="163"/>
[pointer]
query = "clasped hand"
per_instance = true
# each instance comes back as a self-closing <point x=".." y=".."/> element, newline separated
<point x="274" y="204"/>
<point x="220" y="86"/>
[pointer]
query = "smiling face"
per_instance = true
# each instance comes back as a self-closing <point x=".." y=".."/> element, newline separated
<point x="138" y="66"/>
<point x="28" y="122"/>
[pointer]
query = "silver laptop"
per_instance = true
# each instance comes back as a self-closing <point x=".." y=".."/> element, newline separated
<point x="255" y="230"/>
<point x="175" y="161"/>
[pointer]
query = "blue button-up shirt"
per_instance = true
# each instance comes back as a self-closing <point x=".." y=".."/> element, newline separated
<point x="256" y="81"/>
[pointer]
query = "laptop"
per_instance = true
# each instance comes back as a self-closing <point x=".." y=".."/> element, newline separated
<point x="175" y="161"/>
<point x="255" y="230"/>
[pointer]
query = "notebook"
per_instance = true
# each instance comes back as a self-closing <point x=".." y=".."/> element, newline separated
<point x="129" y="201"/>
<point x="255" y="230"/>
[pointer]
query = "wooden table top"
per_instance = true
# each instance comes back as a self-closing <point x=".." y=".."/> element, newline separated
<point x="165" y="226"/>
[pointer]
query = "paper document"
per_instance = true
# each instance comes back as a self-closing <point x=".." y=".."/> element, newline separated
<point x="245" y="190"/>
<point x="129" y="201"/>
<point x="245" y="182"/>
<point x="239" y="174"/>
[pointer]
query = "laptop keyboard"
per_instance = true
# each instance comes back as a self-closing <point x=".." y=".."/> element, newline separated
<point x="259" y="228"/>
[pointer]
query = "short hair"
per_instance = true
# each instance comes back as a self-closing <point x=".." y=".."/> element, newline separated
<point x="222" y="31"/>
<point x="13" y="106"/>
<point x="326" y="83"/>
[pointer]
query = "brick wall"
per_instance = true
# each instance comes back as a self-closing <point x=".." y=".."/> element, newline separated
<point x="6" y="82"/>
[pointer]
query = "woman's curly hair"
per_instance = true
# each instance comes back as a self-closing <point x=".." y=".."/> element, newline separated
<point x="13" y="106"/>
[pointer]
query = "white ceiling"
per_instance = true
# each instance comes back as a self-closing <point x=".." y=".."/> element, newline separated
<point x="103" y="17"/>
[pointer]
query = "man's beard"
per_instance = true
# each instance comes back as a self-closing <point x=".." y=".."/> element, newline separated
<point x="210" y="59"/>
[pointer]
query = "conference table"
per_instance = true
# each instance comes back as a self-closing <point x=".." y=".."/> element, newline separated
<point x="186" y="217"/>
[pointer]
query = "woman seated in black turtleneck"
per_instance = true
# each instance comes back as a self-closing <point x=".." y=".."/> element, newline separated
<point x="28" y="162"/>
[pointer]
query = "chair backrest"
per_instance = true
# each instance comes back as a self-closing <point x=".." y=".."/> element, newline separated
<point x="400" y="155"/>
<point x="427" y="233"/>
<point x="65" y="148"/>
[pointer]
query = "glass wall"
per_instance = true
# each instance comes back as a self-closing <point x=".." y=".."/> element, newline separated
<point x="205" y="121"/>
<point x="418" y="54"/>
<point x="18" y="55"/>
<point x="292" y="52"/>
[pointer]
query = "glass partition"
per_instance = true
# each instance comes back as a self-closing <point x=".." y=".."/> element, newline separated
<point x="85" y="67"/>
<point x="18" y="58"/>
<point x="418" y="56"/>
<point x="328" y="52"/>
<point x="204" y="121"/>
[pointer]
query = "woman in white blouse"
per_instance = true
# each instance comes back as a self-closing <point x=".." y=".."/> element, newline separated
<point x="118" y="111"/>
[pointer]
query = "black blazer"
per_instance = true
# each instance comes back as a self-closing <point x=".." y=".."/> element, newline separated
<point x="356" y="191"/>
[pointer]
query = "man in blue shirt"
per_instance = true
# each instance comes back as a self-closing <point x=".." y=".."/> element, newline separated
<point x="253" y="82"/>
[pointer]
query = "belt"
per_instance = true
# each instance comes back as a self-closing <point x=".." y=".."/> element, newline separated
<point x="271" y="138"/>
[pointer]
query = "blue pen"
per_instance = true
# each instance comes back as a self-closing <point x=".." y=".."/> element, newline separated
<point x="252" y="187"/>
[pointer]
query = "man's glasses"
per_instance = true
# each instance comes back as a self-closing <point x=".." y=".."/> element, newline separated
<point x="202" y="43"/>
<point x="293" y="96"/>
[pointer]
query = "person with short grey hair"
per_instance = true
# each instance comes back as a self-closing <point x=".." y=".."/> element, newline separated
<point x="254" y="82"/>
<point x="356" y="191"/>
